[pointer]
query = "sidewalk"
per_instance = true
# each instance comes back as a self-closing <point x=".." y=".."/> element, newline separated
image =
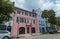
<point x="27" y="36"/>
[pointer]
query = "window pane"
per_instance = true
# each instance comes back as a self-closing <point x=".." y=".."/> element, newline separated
<point x="22" y="12"/>
<point x="26" y="13"/>
<point x="24" y="20"/>
<point x="18" y="19"/>
<point x="27" y="20"/>
<point x="30" y="14"/>
<point x="33" y="21"/>
<point x="33" y="15"/>
<point x="18" y="11"/>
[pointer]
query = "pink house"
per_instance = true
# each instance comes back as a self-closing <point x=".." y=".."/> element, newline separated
<point x="25" y="22"/>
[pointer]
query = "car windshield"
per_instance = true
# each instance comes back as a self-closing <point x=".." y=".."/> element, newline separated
<point x="3" y="31"/>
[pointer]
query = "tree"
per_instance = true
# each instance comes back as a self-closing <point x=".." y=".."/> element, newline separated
<point x="50" y="14"/>
<point x="44" y="14"/>
<point x="6" y="8"/>
<point x="58" y="21"/>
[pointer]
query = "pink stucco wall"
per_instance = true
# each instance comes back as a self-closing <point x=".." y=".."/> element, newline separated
<point x="16" y="26"/>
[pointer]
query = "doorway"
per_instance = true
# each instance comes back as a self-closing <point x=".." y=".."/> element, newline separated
<point x="27" y="29"/>
<point x="21" y="30"/>
<point x="33" y="30"/>
<point x="43" y="30"/>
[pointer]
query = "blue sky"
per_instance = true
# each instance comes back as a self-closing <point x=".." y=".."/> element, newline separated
<point x="35" y="4"/>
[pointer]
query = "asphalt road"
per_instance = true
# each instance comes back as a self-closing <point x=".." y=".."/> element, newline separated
<point x="49" y="36"/>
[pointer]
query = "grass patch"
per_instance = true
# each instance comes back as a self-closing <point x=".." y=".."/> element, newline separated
<point x="44" y="32"/>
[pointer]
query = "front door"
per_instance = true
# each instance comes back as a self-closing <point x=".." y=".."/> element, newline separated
<point x="33" y="30"/>
<point x="43" y="30"/>
<point x="21" y="30"/>
<point x="27" y="29"/>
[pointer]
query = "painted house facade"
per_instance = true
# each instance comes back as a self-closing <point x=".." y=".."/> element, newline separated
<point x="41" y="21"/>
<point x="25" y="22"/>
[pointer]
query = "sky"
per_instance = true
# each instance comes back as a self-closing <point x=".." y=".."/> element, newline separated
<point x="42" y="4"/>
<point x="35" y="4"/>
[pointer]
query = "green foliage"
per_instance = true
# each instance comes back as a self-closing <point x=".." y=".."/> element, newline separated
<point x="50" y="14"/>
<point x="6" y="8"/>
<point x="44" y="14"/>
<point x="52" y="20"/>
<point x="44" y="32"/>
<point x="58" y="21"/>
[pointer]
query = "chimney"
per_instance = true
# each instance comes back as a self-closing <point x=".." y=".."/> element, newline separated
<point x="34" y="11"/>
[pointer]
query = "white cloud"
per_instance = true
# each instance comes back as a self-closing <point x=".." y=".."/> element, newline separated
<point x="57" y="7"/>
<point x="43" y="4"/>
<point x="58" y="1"/>
<point x="48" y="5"/>
<point x="19" y="3"/>
<point x="58" y="13"/>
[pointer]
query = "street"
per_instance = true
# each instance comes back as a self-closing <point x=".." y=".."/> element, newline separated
<point x="49" y="36"/>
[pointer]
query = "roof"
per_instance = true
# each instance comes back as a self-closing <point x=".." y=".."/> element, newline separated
<point x="25" y="10"/>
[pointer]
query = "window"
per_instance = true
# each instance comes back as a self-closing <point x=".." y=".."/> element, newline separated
<point x="33" y="21"/>
<point x="42" y="22"/>
<point x="30" y="14"/>
<point x="27" y="20"/>
<point x="23" y="12"/>
<point x="33" y="15"/>
<point x="24" y="20"/>
<point x="18" y="19"/>
<point x="18" y="11"/>
<point x="26" y="13"/>
<point x="39" y="20"/>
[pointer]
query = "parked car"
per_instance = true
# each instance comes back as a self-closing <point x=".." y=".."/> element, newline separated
<point x="58" y="31"/>
<point x="4" y="34"/>
<point x="52" y="31"/>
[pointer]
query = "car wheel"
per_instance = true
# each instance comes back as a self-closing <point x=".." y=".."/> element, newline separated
<point x="6" y="37"/>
